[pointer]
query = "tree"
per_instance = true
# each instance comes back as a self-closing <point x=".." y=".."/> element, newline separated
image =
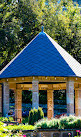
<point x="17" y="28"/>
<point x="62" y="22"/>
<point x="20" y="22"/>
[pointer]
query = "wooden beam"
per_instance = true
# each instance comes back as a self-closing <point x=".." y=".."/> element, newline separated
<point x="12" y="86"/>
<point x="40" y="79"/>
<point x="42" y="86"/>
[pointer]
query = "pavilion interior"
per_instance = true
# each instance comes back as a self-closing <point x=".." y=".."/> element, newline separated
<point x="49" y="84"/>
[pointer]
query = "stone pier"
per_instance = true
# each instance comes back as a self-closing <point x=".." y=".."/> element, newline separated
<point x="35" y="94"/>
<point x="70" y="97"/>
<point x="5" y="98"/>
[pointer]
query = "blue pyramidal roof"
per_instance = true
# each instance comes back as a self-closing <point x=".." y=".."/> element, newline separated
<point x="42" y="57"/>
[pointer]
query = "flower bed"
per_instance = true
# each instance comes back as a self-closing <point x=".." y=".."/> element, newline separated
<point x="13" y="130"/>
<point x="63" y="127"/>
<point x="70" y="122"/>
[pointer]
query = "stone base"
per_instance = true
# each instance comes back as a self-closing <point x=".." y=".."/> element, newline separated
<point x="50" y="133"/>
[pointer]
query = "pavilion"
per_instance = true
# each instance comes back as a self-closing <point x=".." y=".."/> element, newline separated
<point x="41" y="65"/>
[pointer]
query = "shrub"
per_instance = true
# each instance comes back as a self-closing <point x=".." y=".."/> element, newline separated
<point x="5" y="119"/>
<point x="31" y="117"/>
<point x="25" y="120"/>
<point x="67" y="122"/>
<point x="40" y="113"/>
<point x="77" y="123"/>
<point x="47" y="124"/>
<point x="18" y="128"/>
<point x="70" y="122"/>
<point x="10" y="119"/>
<point x="71" y="118"/>
<point x="54" y="124"/>
<point x="1" y="123"/>
<point x="35" y="115"/>
<point x="63" y="123"/>
<point x="43" y="124"/>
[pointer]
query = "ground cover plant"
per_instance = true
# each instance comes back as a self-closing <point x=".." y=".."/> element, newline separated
<point x="5" y="119"/>
<point x="13" y="130"/>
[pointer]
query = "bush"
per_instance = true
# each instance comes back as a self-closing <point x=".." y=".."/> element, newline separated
<point x="54" y="124"/>
<point x="35" y="115"/>
<point x="70" y="122"/>
<point x="1" y="123"/>
<point x="5" y="119"/>
<point x="18" y="128"/>
<point x="67" y="122"/>
<point x="47" y="124"/>
<point x="77" y="123"/>
<point x="63" y="123"/>
<point x="40" y="113"/>
<point x="25" y="120"/>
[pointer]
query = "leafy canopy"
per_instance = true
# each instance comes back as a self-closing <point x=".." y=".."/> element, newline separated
<point x="21" y="21"/>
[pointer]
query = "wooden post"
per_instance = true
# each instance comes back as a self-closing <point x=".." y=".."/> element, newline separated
<point x="78" y="102"/>
<point x="70" y="97"/>
<point x="5" y="98"/>
<point x="35" y="94"/>
<point x="50" y="103"/>
<point x="18" y="105"/>
<point x="0" y="98"/>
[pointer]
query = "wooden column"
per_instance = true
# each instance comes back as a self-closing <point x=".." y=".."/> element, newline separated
<point x="0" y="98"/>
<point x="50" y="103"/>
<point x="70" y="97"/>
<point x="35" y="94"/>
<point x="78" y="102"/>
<point x="5" y="98"/>
<point x="18" y="105"/>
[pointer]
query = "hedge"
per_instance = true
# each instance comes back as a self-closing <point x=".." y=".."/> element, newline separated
<point x="70" y="122"/>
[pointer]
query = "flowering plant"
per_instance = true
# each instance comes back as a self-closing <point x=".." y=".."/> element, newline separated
<point x="69" y="134"/>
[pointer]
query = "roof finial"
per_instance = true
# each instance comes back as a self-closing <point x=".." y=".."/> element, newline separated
<point x="42" y="28"/>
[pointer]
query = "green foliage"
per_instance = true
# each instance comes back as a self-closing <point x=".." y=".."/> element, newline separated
<point x="14" y="130"/>
<point x="10" y="119"/>
<point x="43" y="97"/>
<point x="1" y="123"/>
<point x="63" y="123"/>
<point x="17" y="27"/>
<point x="47" y="124"/>
<point x="5" y="119"/>
<point x="77" y="123"/>
<point x="26" y="96"/>
<point x="70" y="122"/>
<point x="10" y="134"/>
<point x="25" y="120"/>
<point x="20" y="127"/>
<point x="20" y="22"/>
<point x="35" y="115"/>
<point x="40" y="113"/>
